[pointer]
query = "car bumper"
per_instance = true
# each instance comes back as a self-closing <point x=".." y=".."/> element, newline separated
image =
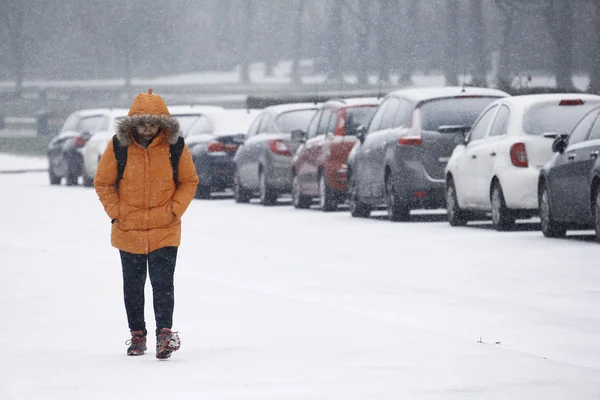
<point x="418" y="188"/>
<point x="279" y="174"/>
<point x="215" y="171"/>
<point x="519" y="186"/>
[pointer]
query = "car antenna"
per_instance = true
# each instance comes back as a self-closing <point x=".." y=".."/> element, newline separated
<point x="379" y="89"/>
<point x="464" y="85"/>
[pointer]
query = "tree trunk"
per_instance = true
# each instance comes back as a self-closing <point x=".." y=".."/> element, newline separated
<point x="479" y="56"/>
<point x="14" y="20"/>
<point x="298" y="33"/>
<point x="364" y="35"/>
<point x="559" y="17"/>
<point x="223" y="24"/>
<point x="595" y="73"/>
<point x="504" y="62"/>
<point x="452" y="48"/>
<point x="383" y="35"/>
<point x="335" y="42"/>
<point x="245" y="53"/>
<point x="410" y="44"/>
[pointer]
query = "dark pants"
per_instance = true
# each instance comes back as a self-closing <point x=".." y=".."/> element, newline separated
<point x="161" y="265"/>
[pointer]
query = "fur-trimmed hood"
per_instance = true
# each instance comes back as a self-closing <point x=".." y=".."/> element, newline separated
<point x="148" y="109"/>
<point x="166" y="122"/>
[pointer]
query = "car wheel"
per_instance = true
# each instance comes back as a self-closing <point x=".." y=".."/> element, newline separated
<point x="597" y="215"/>
<point x="298" y="200"/>
<point x="54" y="179"/>
<point x="550" y="228"/>
<point x="502" y="218"/>
<point x="202" y="192"/>
<point x="456" y="216"/>
<point x="87" y="181"/>
<point x="397" y="209"/>
<point x="240" y="194"/>
<point x="358" y="209"/>
<point x="327" y="199"/>
<point x="267" y="196"/>
<point x="72" y="180"/>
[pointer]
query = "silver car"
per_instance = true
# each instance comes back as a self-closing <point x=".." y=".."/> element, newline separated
<point x="264" y="160"/>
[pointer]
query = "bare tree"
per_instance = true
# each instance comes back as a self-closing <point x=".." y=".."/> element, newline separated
<point x="595" y="73"/>
<point x="452" y="47"/>
<point x="508" y="9"/>
<point x="384" y="37"/>
<point x="335" y="38"/>
<point x="410" y="54"/>
<point x="559" y="18"/>
<point x="479" y="56"/>
<point x="14" y="18"/>
<point x="298" y="35"/>
<point x="247" y="40"/>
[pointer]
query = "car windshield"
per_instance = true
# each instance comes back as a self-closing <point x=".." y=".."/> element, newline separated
<point x="544" y="118"/>
<point x="186" y="121"/>
<point x="452" y="111"/>
<point x="71" y="123"/>
<point x="292" y="120"/>
<point x="358" y="116"/>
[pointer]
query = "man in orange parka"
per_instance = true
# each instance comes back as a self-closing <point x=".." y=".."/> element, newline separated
<point x="145" y="210"/>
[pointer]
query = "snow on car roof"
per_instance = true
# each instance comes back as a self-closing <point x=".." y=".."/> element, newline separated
<point x="280" y="108"/>
<point x="532" y="99"/>
<point x="233" y="120"/>
<point x="429" y="93"/>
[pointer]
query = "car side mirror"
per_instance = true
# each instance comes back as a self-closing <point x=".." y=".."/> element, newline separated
<point x="85" y="135"/>
<point x="361" y="133"/>
<point x="239" y="139"/>
<point x="559" y="145"/>
<point x="298" y="135"/>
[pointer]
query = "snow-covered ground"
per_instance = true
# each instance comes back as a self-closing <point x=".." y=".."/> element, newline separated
<point x="277" y="303"/>
<point x="10" y="162"/>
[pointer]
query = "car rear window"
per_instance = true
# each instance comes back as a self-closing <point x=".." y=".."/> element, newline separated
<point x="292" y="120"/>
<point x="186" y="121"/>
<point x="452" y="111"/>
<point x="549" y="117"/>
<point x="358" y="116"/>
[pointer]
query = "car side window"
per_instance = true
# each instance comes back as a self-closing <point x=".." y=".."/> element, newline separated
<point x="253" y="130"/>
<point x="264" y="124"/>
<point x="482" y="125"/>
<point x="332" y="122"/>
<point x="390" y="113"/>
<point x="314" y="123"/>
<point x="93" y="124"/>
<point x="581" y="130"/>
<point x="595" y="132"/>
<point x="501" y="121"/>
<point x="324" y="122"/>
<point x="404" y="115"/>
<point x="378" y="117"/>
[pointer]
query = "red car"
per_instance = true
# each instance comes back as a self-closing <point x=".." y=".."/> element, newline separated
<point x="319" y="165"/>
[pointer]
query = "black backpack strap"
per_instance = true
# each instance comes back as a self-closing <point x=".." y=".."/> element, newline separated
<point x="176" y="150"/>
<point x="121" y="157"/>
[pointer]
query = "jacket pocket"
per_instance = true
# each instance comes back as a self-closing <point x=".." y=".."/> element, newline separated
<point x="161" y="216"/>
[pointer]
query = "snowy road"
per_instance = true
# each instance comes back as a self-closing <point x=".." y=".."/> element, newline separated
<point x="276" y="303"/>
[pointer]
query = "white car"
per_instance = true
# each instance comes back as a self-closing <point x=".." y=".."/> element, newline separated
<point x="496" y="170"/>
<point x="185" y="114"/>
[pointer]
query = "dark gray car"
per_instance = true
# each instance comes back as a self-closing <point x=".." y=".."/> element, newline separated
<point x="263" y="163"/>
<point x="399" y="160"/>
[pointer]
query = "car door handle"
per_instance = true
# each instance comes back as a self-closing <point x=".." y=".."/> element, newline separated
<point x="571" y="157"/>
<point x="473" y="156"/>
<point x="594" y="154"/>
<point x="493" y="154"/>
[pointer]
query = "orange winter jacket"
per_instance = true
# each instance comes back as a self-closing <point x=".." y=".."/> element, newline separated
<point x="146" y="210"/>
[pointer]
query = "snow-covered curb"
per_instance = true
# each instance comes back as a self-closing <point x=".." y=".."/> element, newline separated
<point x="15" y="163"/>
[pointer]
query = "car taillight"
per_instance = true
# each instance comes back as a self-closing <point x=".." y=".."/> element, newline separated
<point x="340" y="127"/>
<point x="577" y="102"/>
<point x="220" y="147"/>
<point x="414" y="137"/>
<point x="79" y="141"/>
<point x="518" y="155"/>
<point x="280" y="148"/>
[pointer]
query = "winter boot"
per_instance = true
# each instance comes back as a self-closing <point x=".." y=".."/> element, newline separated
<point x="167" y="342"/>
<point x="137" y="343"/>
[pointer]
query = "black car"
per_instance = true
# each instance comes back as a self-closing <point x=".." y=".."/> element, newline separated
<point x="213" y="139"/>
<point x="65" y="156"/>
<point x="399" y="161"/>
<point x="569" y="184"/>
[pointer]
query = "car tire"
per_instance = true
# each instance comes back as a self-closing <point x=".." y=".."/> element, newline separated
<point x="87" y="181"/>
<point x="397" y="209"/>
<point x="502" y="218"/>
<point x="240" y="194"/>
<point x="267" y="196"/>
<point x="298" y="200"/>
<point x="456" y="216"/>
<point x="358" y="209"/>
<point x="202" y="192"/>
<point x="327" y="199"/>
<point x="550" y="228"/>
<point x="54" y="179"/>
